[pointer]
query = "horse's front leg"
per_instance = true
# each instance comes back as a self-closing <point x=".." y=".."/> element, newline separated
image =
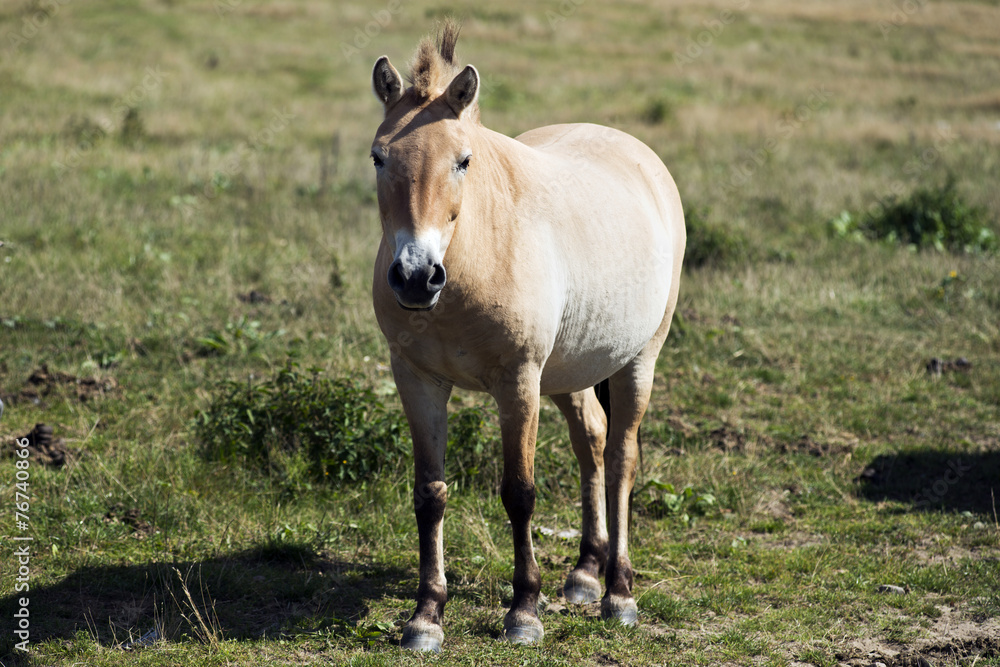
<point x="518" y="405"/>
<point x="425" y="404"/>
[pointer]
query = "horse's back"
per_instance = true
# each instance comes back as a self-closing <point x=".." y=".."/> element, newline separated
<point x="618" y="159"/>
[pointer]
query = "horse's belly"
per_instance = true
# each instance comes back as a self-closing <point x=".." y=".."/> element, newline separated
<point x="598" y="338"/>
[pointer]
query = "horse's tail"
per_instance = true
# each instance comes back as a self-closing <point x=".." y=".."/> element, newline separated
<point x="603" y="391"/>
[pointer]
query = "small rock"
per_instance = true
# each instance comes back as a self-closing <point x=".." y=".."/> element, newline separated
<point x="889" y="588"/>
<point x="147" y="639"/>
<point x="937" y="367"/>
<point x="254" y="297"/>
<point x="556" y="608"/>
<point x="879" y="664"/>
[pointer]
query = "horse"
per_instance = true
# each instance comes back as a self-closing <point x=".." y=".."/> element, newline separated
<point x="540" y="265"/>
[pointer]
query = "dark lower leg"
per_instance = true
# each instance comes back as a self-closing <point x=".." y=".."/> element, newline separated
<point x="423" y="631"/>
<point x="519" y="500"/>
<point x="593" y="558"/>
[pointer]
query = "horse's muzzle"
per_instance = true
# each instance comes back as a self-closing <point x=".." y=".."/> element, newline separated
<point x="417" y="288"/>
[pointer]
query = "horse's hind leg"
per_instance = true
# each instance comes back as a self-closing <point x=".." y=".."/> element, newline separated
<point x="588" y="433"/>
<point x="630" y="390"/>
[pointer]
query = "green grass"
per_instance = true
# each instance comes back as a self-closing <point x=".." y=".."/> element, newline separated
<point x="160" y="161"/>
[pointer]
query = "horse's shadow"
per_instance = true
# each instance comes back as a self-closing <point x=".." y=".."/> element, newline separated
<point x="935" y="480"/>
<point x="261" y="592"/>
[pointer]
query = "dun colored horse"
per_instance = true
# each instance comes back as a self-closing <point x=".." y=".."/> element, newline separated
<point x="527" y="267"/>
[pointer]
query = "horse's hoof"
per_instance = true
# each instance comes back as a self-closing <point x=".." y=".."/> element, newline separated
<point x="522" y="628"/>
<point x="581" y="588"/>
<point x="422" y="636"/>
<point x="620" y="608"/>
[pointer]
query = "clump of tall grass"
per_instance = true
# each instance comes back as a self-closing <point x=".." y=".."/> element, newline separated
<point x="933" y="216"/>
<point x="303" y="425"/>
<point x="710" y="245"/>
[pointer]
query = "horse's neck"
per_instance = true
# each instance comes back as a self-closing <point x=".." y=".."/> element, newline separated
<point x="499" y="214"/>
<point x="502" y="179"/>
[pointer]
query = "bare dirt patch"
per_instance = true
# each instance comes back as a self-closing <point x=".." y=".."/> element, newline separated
<point x="44" y="447"/>
<point x="728" y="439"/>
<point x="952" y="637"/>
<point x="731" y="439"/>
<point x="823" y="446"/>
<point x="43" y="383"/>
<point x="131" y="518"/>
<point x="774" y="504"/>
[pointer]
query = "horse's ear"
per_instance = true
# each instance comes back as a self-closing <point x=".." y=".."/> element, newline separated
<point x="463" y="90"/>
<point x="386" y="82"/>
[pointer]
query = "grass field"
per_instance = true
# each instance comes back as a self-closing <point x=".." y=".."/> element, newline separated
<point x="186" y="200"/>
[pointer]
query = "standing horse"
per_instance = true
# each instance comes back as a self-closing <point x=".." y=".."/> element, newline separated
<point x="540" y="265"/>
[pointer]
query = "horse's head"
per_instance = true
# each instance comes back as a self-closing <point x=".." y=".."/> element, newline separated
<point x="422" y="154"/>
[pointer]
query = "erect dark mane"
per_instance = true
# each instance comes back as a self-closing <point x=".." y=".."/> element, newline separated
<point x="433" y="65"/>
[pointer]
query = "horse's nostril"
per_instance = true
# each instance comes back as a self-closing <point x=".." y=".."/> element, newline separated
<point x="438" y="278"/>
<point x="397" y="280"/>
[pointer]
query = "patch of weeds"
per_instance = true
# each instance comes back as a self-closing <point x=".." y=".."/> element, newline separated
<point x="242" y="336"/>
<point x="303" y="426"/>
<point x="659" y="499"/>
<point x="474" y="459"/>
<point x="709" y="245"/>
<point x="363" y="634"/>
<point x="930" y="217"/>
<point x="657" y="111"/>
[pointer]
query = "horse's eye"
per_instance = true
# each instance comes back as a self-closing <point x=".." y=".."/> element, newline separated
<point x="463" y="166"/>
<point x="378" y="161"/>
